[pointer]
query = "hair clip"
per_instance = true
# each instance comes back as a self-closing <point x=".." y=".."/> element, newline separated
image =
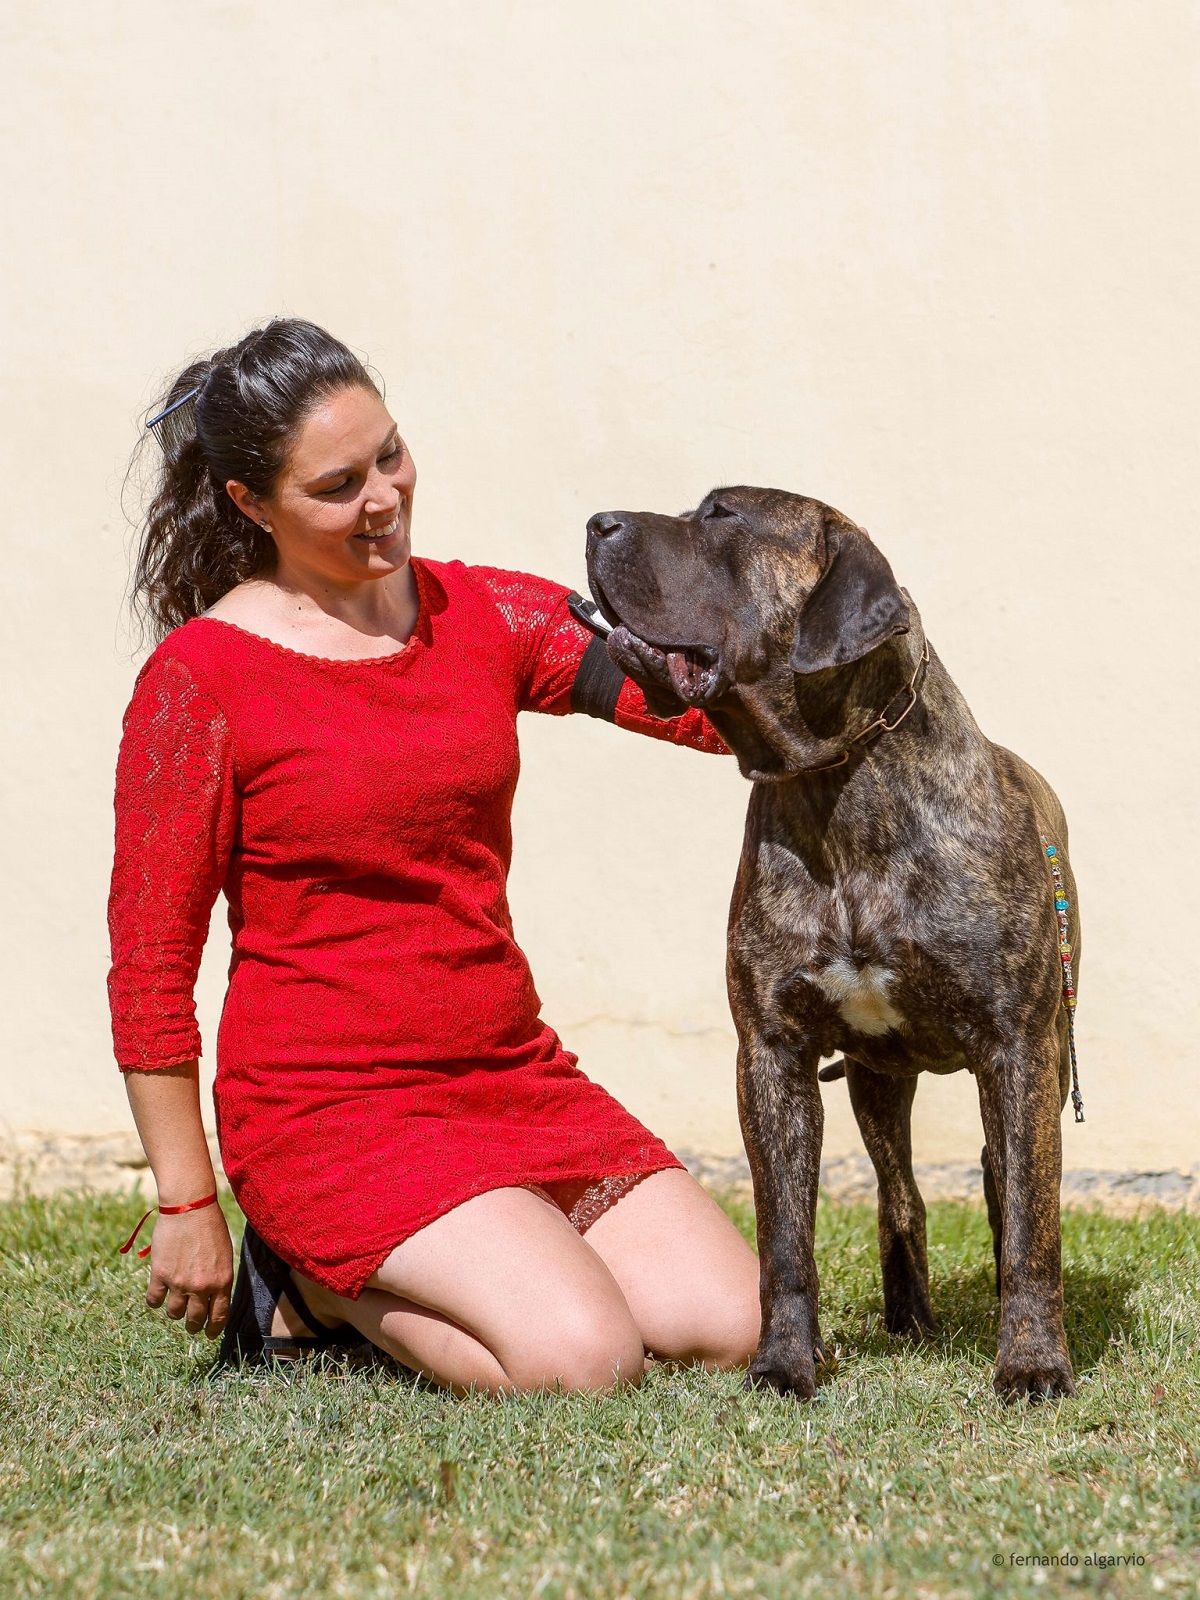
<point x="182" y="425"/>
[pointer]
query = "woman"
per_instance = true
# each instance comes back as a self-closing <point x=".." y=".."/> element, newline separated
<point x="326" y="731"/>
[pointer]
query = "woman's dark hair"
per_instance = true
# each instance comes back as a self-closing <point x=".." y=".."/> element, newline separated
<point x="252" y="399"/>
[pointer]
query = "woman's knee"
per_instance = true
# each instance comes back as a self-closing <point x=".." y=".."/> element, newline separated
<point x="508" y="1267"/>
<point x="721" y="1333"/>
<point x="734" y="1337"/>
<point x="588" y="1351"/>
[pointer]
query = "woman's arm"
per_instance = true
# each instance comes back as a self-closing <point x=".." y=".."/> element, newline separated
<point x="191" y="1258"/>
<point x="562" y="667"/>
<point x="166" y="1108"/>
<point x="176" y="808"/>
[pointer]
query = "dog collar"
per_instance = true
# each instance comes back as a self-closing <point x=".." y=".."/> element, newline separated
<point x="888" y="720"/>
<point x="589" y="614"/>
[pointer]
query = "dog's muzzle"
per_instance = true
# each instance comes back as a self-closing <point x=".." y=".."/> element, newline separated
<point x="692" y="671"/>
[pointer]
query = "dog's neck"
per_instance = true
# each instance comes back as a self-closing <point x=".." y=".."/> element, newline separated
<point x="854" y="707"/>
<point x="784" y="735"/>
<point x="793" y="727"/>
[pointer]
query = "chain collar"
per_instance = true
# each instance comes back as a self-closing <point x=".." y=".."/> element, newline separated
<point x="888" y="720"/>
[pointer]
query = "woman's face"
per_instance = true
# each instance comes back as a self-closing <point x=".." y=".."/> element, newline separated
<point x="341" y="508"/>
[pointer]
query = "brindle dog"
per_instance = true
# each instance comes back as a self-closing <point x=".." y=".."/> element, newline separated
<point x="893" y="902"/>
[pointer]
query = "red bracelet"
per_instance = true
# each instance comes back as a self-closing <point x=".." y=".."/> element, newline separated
<point x="166" y="1211"/>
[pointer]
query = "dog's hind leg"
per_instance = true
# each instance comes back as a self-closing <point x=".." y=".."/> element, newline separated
<point x="883" y="1107"/>
<point x="995" y="1210"/>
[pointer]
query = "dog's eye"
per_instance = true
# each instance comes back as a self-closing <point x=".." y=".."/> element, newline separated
<point x="718" y="510"/>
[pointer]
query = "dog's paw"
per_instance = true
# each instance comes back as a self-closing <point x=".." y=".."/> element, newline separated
<point x="799" y="1382"/>
<point x="1036" y="1372"/>
<point x="794" y="1374"/>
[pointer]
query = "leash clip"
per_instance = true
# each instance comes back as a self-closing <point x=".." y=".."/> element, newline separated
<point x="589" y="614"/>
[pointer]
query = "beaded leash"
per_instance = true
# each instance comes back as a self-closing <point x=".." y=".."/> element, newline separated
<point x="1061" y="906"/>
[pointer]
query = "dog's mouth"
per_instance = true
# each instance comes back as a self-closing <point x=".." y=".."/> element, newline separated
<point x="692" y="671"/>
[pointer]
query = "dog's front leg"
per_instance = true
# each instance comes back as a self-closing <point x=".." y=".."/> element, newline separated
<point x="782" y="1119"/>
<point x="1021" y="1105"/>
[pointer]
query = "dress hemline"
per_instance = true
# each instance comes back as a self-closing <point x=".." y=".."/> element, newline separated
<point x="349" y="1278"/>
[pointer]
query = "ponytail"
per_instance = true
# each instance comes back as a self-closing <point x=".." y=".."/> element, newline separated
<point x="231" y="416"/>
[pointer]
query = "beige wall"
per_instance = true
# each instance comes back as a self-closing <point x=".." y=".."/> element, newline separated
<point x="932" y="262"/>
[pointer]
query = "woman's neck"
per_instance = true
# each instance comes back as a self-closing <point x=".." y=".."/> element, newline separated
<point x="378" y="607"/>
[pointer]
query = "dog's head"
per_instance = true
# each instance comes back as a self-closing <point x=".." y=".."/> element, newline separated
<point x="727" y="605"/>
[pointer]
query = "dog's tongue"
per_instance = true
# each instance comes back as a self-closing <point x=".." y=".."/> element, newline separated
<point x="685" y="672"/>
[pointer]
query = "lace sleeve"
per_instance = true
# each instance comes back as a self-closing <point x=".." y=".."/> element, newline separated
<point x="563" y="667"/>
<point x="176" y="815"/>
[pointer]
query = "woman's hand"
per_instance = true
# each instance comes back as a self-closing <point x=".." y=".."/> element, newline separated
<point x="191" y="1269"/>
<point x="191" y="1258"/>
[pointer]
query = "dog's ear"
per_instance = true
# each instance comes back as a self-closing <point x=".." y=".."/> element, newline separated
<point x="855" y="605"/>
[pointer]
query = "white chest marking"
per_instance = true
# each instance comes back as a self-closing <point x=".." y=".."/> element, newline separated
<point x="860" y="994"/>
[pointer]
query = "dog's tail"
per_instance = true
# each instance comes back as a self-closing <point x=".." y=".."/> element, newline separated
<point x="834" y="1071"/>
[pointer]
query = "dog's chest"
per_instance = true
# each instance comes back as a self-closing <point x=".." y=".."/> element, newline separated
<point x="859" y="962"/>
<point x="862" y="995"/>
<point x="848" y="952"/>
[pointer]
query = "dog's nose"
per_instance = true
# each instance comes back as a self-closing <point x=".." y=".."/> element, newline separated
<point x="604" y="523"/>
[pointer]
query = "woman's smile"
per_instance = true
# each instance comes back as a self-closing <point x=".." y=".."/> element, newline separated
<point x="374" y="535"/>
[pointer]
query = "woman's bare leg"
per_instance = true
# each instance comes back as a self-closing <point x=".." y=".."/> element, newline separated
<point x="419" y="1338"/>
<point x="500" y="1293"/>
<point x="687" y="1275"/>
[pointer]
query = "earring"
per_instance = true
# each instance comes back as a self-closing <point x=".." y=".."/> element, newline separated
<point x="266" y="527"/>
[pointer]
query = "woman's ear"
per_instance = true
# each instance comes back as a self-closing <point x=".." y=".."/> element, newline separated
<point x="247" y="503"/>
<point x="855" y="605"/>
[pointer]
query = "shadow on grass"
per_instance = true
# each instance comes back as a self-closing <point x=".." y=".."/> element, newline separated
<point x="1097" y="1303"/>
<point x="1097" y="1308"/>
<point x="368" y="1361"/>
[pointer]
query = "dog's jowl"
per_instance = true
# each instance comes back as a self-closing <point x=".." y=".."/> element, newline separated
<point x="893" y="904"/>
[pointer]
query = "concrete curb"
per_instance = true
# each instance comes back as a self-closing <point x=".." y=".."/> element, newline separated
<point x="852" y="1178"/>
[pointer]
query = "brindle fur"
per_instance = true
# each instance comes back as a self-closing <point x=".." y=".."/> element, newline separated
<point x="898" y="909"/>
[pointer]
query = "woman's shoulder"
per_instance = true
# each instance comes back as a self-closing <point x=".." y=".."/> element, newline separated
<point x="520" y="597"/>
<point x="256" y="607"/>
<point x="247" y="604"/>
<point x="192" y="657"/>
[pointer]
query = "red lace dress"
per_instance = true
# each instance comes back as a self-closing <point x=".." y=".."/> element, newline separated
<point x="380" y="1057"/>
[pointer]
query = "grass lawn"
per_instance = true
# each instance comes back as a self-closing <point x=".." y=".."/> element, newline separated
<point x="127" y="1469"/>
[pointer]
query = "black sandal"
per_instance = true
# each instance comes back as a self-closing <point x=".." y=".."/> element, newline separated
<point x="263" y="1279"/>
